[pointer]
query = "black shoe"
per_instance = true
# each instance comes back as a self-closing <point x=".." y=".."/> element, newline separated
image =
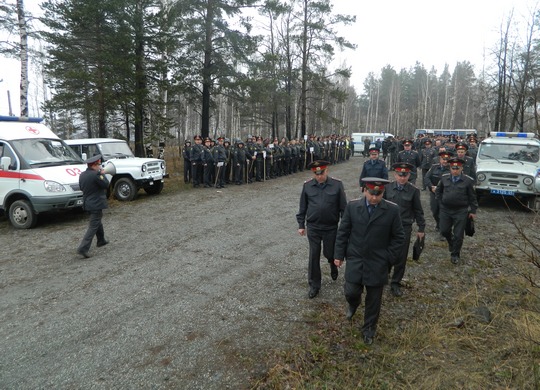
<point x="350" y="312"/>
<point x="368" y="340"/>
<point x="83" y="254"/>
<point x="313" y="292"/>
<point x="103" y="243"/>
<point x="396" y="290"/>
<point x="333" y="271"/>
<point x="454" y="259"/>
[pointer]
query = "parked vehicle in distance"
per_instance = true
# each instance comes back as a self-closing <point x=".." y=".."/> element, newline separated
<point x="462" y="133"/>
<point x="38" y="171"/>
<point x="358" y="139"/>
<point x="507" y="164"/>
<point x="132" y="173"/>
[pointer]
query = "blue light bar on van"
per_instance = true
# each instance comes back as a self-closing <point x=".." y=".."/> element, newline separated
<point x="19" y="119"/>
<point x="508" y="134"/>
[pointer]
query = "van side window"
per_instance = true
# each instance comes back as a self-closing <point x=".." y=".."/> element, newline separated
<point x="5" y="151"/>
<point x="90" y="150"/>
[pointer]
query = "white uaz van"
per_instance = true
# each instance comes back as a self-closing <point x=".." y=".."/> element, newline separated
<point x="38" y="171"/>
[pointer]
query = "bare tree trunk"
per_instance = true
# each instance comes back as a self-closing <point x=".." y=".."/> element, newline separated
<point x="23" y="34"/>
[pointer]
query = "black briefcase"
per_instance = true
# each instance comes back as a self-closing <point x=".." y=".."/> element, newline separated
<point x="469" y="227"/>
<point x="418" y="247"/>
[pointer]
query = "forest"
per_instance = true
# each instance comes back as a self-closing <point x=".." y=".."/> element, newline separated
<point x="153" y="71"/>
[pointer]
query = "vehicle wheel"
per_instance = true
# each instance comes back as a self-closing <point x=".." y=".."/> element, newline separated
<point x="534" y="203"/>
<point x="21" y="215"/>
<point x="154" y="189"/>
<point x="124" y="189"/>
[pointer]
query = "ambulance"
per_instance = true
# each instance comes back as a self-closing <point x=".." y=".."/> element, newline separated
<point x="38" y="171"/>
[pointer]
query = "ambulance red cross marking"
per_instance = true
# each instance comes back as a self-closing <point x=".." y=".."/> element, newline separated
<point x="32" y="130"/>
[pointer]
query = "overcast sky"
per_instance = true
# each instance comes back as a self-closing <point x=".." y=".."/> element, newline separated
<point x="394" y="32"/>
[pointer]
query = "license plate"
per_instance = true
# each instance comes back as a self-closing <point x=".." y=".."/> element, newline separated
<point x="79" y="202"/>
<point x="502" y="192"/>
<point x="159" y="177"/>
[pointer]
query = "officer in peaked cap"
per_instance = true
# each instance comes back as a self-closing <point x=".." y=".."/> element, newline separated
<point x="431" y="179"/>
<point x="374" y="166"/>
<point x="93" y="184"/>
<point x="457" y="197"/>
<point x="370" y="237"/>
<point x="469" y="168"/>
<point x="407" y="197"/>
<point x="322" y="203"/>
<point x="407" y="155"/>
<point x="94" y="159"/>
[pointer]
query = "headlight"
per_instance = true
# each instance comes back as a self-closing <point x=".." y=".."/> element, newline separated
<point x="143" y="168"/>
<point x="52" y="186"/>
<point x="162" y="165"/>
<point x="528" y="181"/>
<point x="481" y="177"/>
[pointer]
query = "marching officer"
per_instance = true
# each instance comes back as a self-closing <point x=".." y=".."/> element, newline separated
<point x="409" y="156"/>
<point x="219" y="156"/>
<point x="374" y="167"/>
<point x="432" y="179"/>
<point x="322" y="204"/>
<point x="458" y="202"/>
<point x="428" y="155"/>
<point x="407" y="197"/>
<point x="469" y="167"/>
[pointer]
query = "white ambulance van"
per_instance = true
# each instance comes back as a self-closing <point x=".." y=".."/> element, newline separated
<point x="38" y="171"/>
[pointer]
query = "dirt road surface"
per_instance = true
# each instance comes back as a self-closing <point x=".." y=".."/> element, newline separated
<point x="193" y="290"/>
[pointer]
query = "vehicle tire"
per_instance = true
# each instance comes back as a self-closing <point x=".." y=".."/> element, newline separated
<point x="154" y="189"/>
<point x="21" y="215"/>
<point x="534" y="203"/>
<point x="125" y="189"/>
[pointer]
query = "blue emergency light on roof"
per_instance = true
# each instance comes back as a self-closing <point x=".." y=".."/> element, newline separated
<point x="514" y="134"/>
<point x="19" y="119"/>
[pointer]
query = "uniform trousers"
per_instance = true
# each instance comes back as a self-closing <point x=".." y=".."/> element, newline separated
<point x="435" y="206"/>
<point x="95" y="228"/>
<point x="353" y="294"/>
<point x="315" y="238"/>
<point x="187" y="171"/>
<point x="399" y="267"/>
<point x="452" y="225"/>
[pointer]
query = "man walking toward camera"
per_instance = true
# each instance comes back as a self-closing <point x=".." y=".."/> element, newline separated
<point x="407" y="197"/>
<point x="458" y="202"/>
<point x="370" y="237"/>
<point x="322" y="203"/>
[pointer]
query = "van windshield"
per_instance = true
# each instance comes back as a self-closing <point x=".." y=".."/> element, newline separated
<point x="115" y="150"/>
<point x="527" y="153"/>
<point x="45" y="152"/>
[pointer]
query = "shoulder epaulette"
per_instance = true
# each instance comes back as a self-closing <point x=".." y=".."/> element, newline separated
<point x="308" y="180"/>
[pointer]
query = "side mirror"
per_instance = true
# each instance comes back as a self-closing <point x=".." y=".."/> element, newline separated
<point x="5" y="162"/>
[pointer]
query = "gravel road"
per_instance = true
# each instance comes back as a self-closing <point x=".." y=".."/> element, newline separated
<point x="193" y="287"/>
<point x="193" y="290"/>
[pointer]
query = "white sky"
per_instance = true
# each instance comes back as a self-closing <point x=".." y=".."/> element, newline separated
<point x="394" y="32"/>
<point x="432" y="32"/>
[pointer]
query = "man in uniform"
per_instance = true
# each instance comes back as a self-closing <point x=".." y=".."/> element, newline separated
<point x="407" y="197"/>
<point x="374" y="167"/>
<point x="93" y="184"/>
<point x="409" y="156"/>
<point x="187" y="163"/>
<point x="428" y="155"/>
<point x="196" y="154"/>
<point x="322" y="203"/>
<point x="458" y="202"/>
<point x="208" y="163"/>
<point x="370" y="237"/>
<point x="469" y="167"/>
<point x="219" y="156"/>
<point x="432" y="178"/>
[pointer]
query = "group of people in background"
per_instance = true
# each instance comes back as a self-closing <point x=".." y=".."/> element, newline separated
<point x="214" y="164"/>
<point x="373" y="233"/>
